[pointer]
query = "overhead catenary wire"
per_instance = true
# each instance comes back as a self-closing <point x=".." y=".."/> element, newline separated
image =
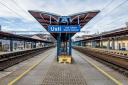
<point x="13" y="11"/>
<point x="117" y="20"/>
<point x="101" y="11"/>
<point x="119" y="5"/>
<point x="101" y="19"/>
<point x="17" y="4"/>
<point x="107" y="5"/>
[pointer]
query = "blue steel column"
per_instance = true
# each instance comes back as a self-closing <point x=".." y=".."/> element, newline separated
<point x="66" y="44"/>
<point x="58" y="44"/>
<point x="66" y="47"/>
<point x="70" y="45"/>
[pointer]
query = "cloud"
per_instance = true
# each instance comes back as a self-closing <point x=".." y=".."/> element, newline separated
<point x="14" y="13"/>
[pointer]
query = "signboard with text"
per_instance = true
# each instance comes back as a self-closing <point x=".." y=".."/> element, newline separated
<point x="63" y="28"/>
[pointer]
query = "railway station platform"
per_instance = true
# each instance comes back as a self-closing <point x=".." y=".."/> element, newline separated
<point x="43" y="69"/>
<point x="71" y="62"/>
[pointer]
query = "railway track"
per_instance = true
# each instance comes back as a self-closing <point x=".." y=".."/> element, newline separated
<point x="10" y="59"/>
<point x="117" y="63"/>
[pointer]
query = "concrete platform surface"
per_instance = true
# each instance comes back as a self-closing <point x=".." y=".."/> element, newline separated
<point x="115" y="74"/>
<point x="13" y="72"/>
<point x="50" y="72"/>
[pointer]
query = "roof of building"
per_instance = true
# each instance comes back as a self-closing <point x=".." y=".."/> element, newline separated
<point x="112" y="33"/>
<point x="87" y="36"/>
<point x="44" y="19"/>
<point x="6" y="35"/>
<point x="40" y="36"/>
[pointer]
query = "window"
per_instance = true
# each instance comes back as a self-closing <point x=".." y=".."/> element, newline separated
<point x="119" y="46"/>
<point x="123" y="45"/>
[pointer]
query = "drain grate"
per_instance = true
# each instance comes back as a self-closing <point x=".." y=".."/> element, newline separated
<point x="64" y="74"/>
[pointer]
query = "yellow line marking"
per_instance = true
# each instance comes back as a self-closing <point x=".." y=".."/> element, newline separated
<point x="103" y="72"/>
<point x="24" y="73"/>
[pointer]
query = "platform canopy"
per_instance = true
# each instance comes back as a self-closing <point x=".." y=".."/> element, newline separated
<point x="46" y="19"/>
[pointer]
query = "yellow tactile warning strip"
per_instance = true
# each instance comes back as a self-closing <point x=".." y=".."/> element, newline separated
<point x="102" y="71"/>
<point x="28" y="70"/>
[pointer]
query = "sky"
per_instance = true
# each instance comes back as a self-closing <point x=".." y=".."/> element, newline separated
<point x="14" y="14"/>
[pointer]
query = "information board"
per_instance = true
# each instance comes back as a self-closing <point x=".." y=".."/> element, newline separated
<point x="63" y="28"/>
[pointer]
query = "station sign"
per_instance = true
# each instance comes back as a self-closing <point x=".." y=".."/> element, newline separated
<point x="63" y="28"/>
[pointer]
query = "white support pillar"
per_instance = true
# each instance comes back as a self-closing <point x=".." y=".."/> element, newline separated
<point x="108" y="44"/>
<point x="113" y="43"/>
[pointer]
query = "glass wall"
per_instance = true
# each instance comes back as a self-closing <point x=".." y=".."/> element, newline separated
<point x="4" y="45"/>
